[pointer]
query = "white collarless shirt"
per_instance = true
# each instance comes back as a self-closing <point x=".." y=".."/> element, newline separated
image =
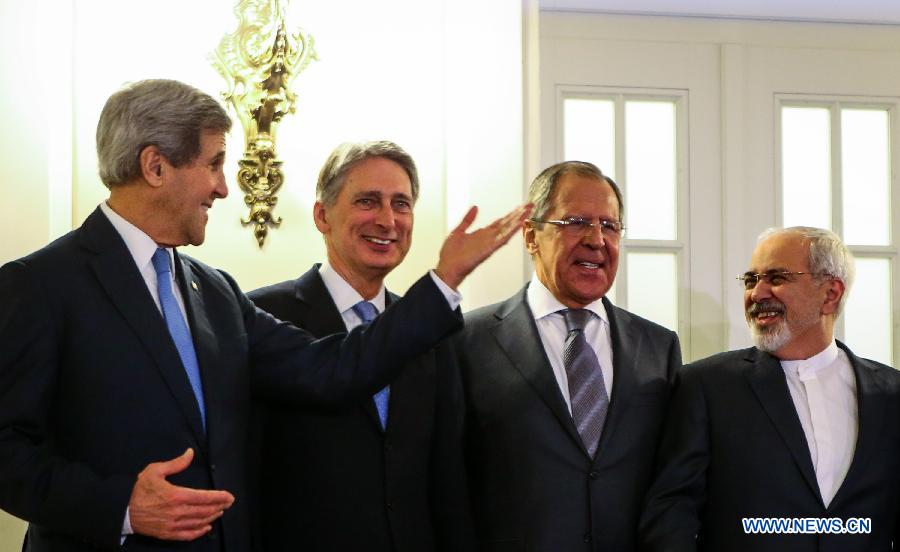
<point x="823" y="389"/>
<point x="552" y="328"/>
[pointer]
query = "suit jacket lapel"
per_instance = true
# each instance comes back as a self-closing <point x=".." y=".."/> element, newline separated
<point x="120" y="278"/>
<point x="766" y="378"/>
<point x="870" y="395"/>
<point x="205" y="345"/>
<point x="625" y="339"/>
<point x="518" y="337"/>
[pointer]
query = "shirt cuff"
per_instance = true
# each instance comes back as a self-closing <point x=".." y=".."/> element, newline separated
<point x="453" y="297"/>
<point x="126" y="526"/>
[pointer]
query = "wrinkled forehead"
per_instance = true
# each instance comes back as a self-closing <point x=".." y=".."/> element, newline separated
<point x="586" y="196"/>
<point x="784" y="251"/>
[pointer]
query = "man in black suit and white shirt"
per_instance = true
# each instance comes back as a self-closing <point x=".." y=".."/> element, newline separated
<point x="126" y="368"/>
<point x="383" y="475"/>
<point x="565" y="392"/>
<point x="796" y="427"/>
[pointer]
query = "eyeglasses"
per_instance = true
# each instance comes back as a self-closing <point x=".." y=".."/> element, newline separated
<point x="578" y="226"/>
<point x="749" y="280"/>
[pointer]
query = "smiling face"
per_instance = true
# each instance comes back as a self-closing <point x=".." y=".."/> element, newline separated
<point x="188" y="192"/>
<point x="368" y="230"/>
<point x="792" y="318"/>
<point x="576" y="267"/>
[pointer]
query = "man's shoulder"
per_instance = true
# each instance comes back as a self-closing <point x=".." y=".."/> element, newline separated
<point x="490" y="315"/>
<point x="725" y="365"/>
<point x="273" y="291"/>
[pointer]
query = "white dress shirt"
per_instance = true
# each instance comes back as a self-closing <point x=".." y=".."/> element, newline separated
<point x="344" y="296"/>
<point x="552" y="328"/>
<point x="823" y="389"/>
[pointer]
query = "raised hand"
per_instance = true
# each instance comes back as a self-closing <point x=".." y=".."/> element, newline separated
<point x="462" y="251"/>
<point x="165" y="511"/>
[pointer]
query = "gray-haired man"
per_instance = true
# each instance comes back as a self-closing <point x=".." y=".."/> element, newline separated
<point x="795" y="428"/>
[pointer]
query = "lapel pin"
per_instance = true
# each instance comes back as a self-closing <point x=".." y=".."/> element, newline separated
<point x="194" y="285"/>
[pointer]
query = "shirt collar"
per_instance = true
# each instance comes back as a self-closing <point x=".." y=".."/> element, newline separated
<point x="140" y="245"/>
<point x="543" y="303"/>
<point x="810" y="367"/>
<point x="343" y="294"/>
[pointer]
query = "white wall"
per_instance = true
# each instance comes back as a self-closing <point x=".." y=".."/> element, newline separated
<point x="444" y="84"/>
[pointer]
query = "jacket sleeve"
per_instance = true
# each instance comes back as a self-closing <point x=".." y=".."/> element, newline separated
<point x="36" y="484"/>
<point x="672" y="511"/>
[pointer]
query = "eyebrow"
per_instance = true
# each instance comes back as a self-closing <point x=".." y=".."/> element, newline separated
<point x="377" y="194"/>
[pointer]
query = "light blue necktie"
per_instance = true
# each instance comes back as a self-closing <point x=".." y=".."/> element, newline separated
<point x="178" y="327"/>
<point x="367" y="312"/>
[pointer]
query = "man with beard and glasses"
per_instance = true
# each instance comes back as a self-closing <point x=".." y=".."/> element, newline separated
<point x="797" y="428"/>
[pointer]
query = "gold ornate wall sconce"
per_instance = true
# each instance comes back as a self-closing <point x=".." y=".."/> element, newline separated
<point x="259" y="60"/>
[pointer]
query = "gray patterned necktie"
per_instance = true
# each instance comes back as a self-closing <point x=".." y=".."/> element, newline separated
<point x="587" y="390"/>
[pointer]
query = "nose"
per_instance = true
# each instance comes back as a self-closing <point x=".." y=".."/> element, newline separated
<point x="762" y="290"/>
<point x="593" y="237"/>
<point x="221" y="189"/>
<point x="385" y="216"/>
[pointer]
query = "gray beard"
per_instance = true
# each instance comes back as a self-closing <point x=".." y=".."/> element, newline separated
<point x="773" y="339"/>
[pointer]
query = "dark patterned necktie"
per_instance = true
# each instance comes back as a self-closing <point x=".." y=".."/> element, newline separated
<point x="587" y="390"/>
<point x="367" y="312"/>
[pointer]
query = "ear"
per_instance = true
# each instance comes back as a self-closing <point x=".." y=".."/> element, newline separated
<point x="151" y="161"/>
<point x="319" y="218"/>
<point x="529" y="234"/>
<point x="834" y="290"/>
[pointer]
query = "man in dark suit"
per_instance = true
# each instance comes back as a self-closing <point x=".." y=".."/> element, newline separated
<point x="126" y="368"/>
<point x="565" y="392"/>
<point x="796" y="427"/>
<point x="379" y="476"/>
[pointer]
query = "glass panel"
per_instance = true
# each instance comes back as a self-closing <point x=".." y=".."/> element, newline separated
<point x="866" y="175"/>
<point x="868" y="326"/>
<point x="653" y="287"/>
<point x="806" y="166"/>
<point x="650" y="170"/>
<point x="590" y="133"/>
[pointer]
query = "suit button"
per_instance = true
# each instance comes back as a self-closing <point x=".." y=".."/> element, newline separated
<point x="388" y="446"/>
<point x="593" y="475"/>
<point x="212" y="467"/>
<point x="587" y="537"/>
<point x="389" y="505"/>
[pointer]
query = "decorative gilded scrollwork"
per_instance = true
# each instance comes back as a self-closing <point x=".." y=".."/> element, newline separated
<point x="259" y="60"/>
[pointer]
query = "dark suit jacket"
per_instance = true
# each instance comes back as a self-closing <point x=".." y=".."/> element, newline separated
<point x="401" y="489"/>
<point x="92" y="388"/>
<point x="534" y="487"/>
<point x="733" y="447"/>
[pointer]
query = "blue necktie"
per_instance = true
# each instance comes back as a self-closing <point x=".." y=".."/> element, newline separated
<point x="367" y="312"/>
<point x="178" y="327"/>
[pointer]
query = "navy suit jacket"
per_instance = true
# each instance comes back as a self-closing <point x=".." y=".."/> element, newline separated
<point x="92" y="388"/>
<point x="733" y="447"/>
<point x="399" y="489"/>
<point x="534" y="488"/>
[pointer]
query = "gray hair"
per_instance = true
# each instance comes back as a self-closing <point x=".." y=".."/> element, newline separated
<point x="164" y="113"/>
<point x="827" y="255"/>
<point x="544" y="185"/>
<point x="347" y="155"/>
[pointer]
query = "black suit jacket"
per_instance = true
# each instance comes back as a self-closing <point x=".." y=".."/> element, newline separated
<point x="401" y="489"/>
<point x="534" y="487"/>
<point x="733" y="447"/>
<point x="92" y="388"/>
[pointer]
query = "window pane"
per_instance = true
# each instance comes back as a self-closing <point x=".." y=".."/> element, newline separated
<point x="865" y="169"/>
<point x="650" y="170"/>
<point x="806" y="166"/>
<point x="653" y="287"/>
<point x="590" y="133"/>
<point x="867" y="315"/>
